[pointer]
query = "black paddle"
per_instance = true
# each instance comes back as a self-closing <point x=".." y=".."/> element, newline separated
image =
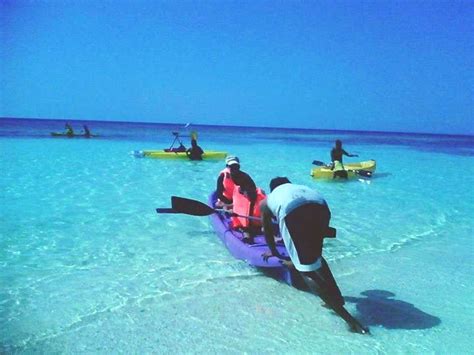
<point x="194" y="208"/>
<point x="364" y="173"/>
<point x="318" y="163"/>
<point x="197" y="208"/>
<point x="191" y="207"/>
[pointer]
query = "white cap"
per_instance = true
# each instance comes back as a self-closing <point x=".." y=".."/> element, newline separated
<point x="231" y="160"/>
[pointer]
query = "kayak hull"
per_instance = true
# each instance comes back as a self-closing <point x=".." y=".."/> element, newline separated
<point x="250" y="253"/>
<point x="162" y="154"/>
<point x="324" y="172"/>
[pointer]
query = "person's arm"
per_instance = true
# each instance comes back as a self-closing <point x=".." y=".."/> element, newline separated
<point x="220" y="187"/>
<point x="268" y="231"/>
<point x="333" y="158"/>
<point x="349" y="155"/>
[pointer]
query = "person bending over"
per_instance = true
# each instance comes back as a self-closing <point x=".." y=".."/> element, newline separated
<point x="303" y="217"/>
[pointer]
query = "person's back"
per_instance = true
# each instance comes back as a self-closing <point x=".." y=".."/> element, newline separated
<point x="303" y="217"/>
<point x="287" y="197"/>
<point x="247" y="203"/>
<point x="247" y="198"/>
<point x="337" y="152"/>
<point x="195" y="152"/>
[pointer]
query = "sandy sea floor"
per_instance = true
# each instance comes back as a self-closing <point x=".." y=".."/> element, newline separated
<point x="87" y="266"/>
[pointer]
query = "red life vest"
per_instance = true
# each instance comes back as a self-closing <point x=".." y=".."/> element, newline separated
<point x="242" y="207"/>
<point x="228" y="184"/>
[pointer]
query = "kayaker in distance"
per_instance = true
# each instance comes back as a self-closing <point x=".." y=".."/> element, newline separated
<point x="246" y="200"/>
<point x="336" y="160"/>
<point x="303" y="217"/>
<point x="69" y="131"/>
<point x="195" y="152"/>
<point x="87" y="133"/>
<point x="337" y="152"/>
<point x="225" y="183"/>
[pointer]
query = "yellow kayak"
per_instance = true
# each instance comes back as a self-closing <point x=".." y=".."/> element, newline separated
<point x="162" y="154"/>
<point x="353" y="170"/>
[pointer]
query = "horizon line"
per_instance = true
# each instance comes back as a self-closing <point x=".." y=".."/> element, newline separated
<point x="239" y="126"/>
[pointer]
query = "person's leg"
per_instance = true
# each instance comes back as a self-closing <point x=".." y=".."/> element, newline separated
<point x="330" y="282"/>
<point x="307" y="225"/>
<point x="318" y="285"/>
<point x="323" y="289"/>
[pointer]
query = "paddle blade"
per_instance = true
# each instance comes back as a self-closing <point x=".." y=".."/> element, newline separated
<point x="165" y="210"/>
<point x="191" y="207"/>
<point x="318" y="163"/>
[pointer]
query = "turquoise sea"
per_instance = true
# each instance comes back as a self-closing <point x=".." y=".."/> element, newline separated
<point x="88" y="266"/>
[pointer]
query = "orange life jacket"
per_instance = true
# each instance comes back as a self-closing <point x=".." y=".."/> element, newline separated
<point x="242" y="207"/>
<point x="228" y="184"/>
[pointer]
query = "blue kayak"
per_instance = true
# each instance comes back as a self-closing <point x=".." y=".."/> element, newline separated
<point x="250" y="253"/>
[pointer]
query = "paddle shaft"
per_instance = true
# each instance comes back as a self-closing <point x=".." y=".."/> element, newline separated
<point x="171" y="210"/>
<point x="237" y="215"/>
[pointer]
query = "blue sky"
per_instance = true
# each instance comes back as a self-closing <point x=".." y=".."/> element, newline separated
<point x="361" y="65"/>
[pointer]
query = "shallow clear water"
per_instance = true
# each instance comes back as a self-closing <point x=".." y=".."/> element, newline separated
<point x="86" y="265"/>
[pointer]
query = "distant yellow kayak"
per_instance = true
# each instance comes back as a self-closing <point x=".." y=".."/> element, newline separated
<point x="162" y="154"/>
<point x="353" y="170"/>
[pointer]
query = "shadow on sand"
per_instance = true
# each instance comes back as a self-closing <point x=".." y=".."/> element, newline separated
<point x="380" y="309"/>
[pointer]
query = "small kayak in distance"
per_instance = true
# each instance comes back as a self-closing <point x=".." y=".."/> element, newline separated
<point x="250" y="253"/>
<point x="164" y="154"/>
<point x="325" y="172"/>
<point x="61" y="134"/>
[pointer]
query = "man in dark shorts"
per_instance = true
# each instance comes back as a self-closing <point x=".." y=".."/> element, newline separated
<point x="336" y="160"/>
<point x="303" y="218"/>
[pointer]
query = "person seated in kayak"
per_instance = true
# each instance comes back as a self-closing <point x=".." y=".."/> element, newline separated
<point x="69" y="131"/>
<point x="303" y="217"/>
<point x="87" y="133"/>
<point x="337" y="152"/>
<point x="225" y="184"/>
<point x="246" y="200"/>
<point x="195" y="152"/>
